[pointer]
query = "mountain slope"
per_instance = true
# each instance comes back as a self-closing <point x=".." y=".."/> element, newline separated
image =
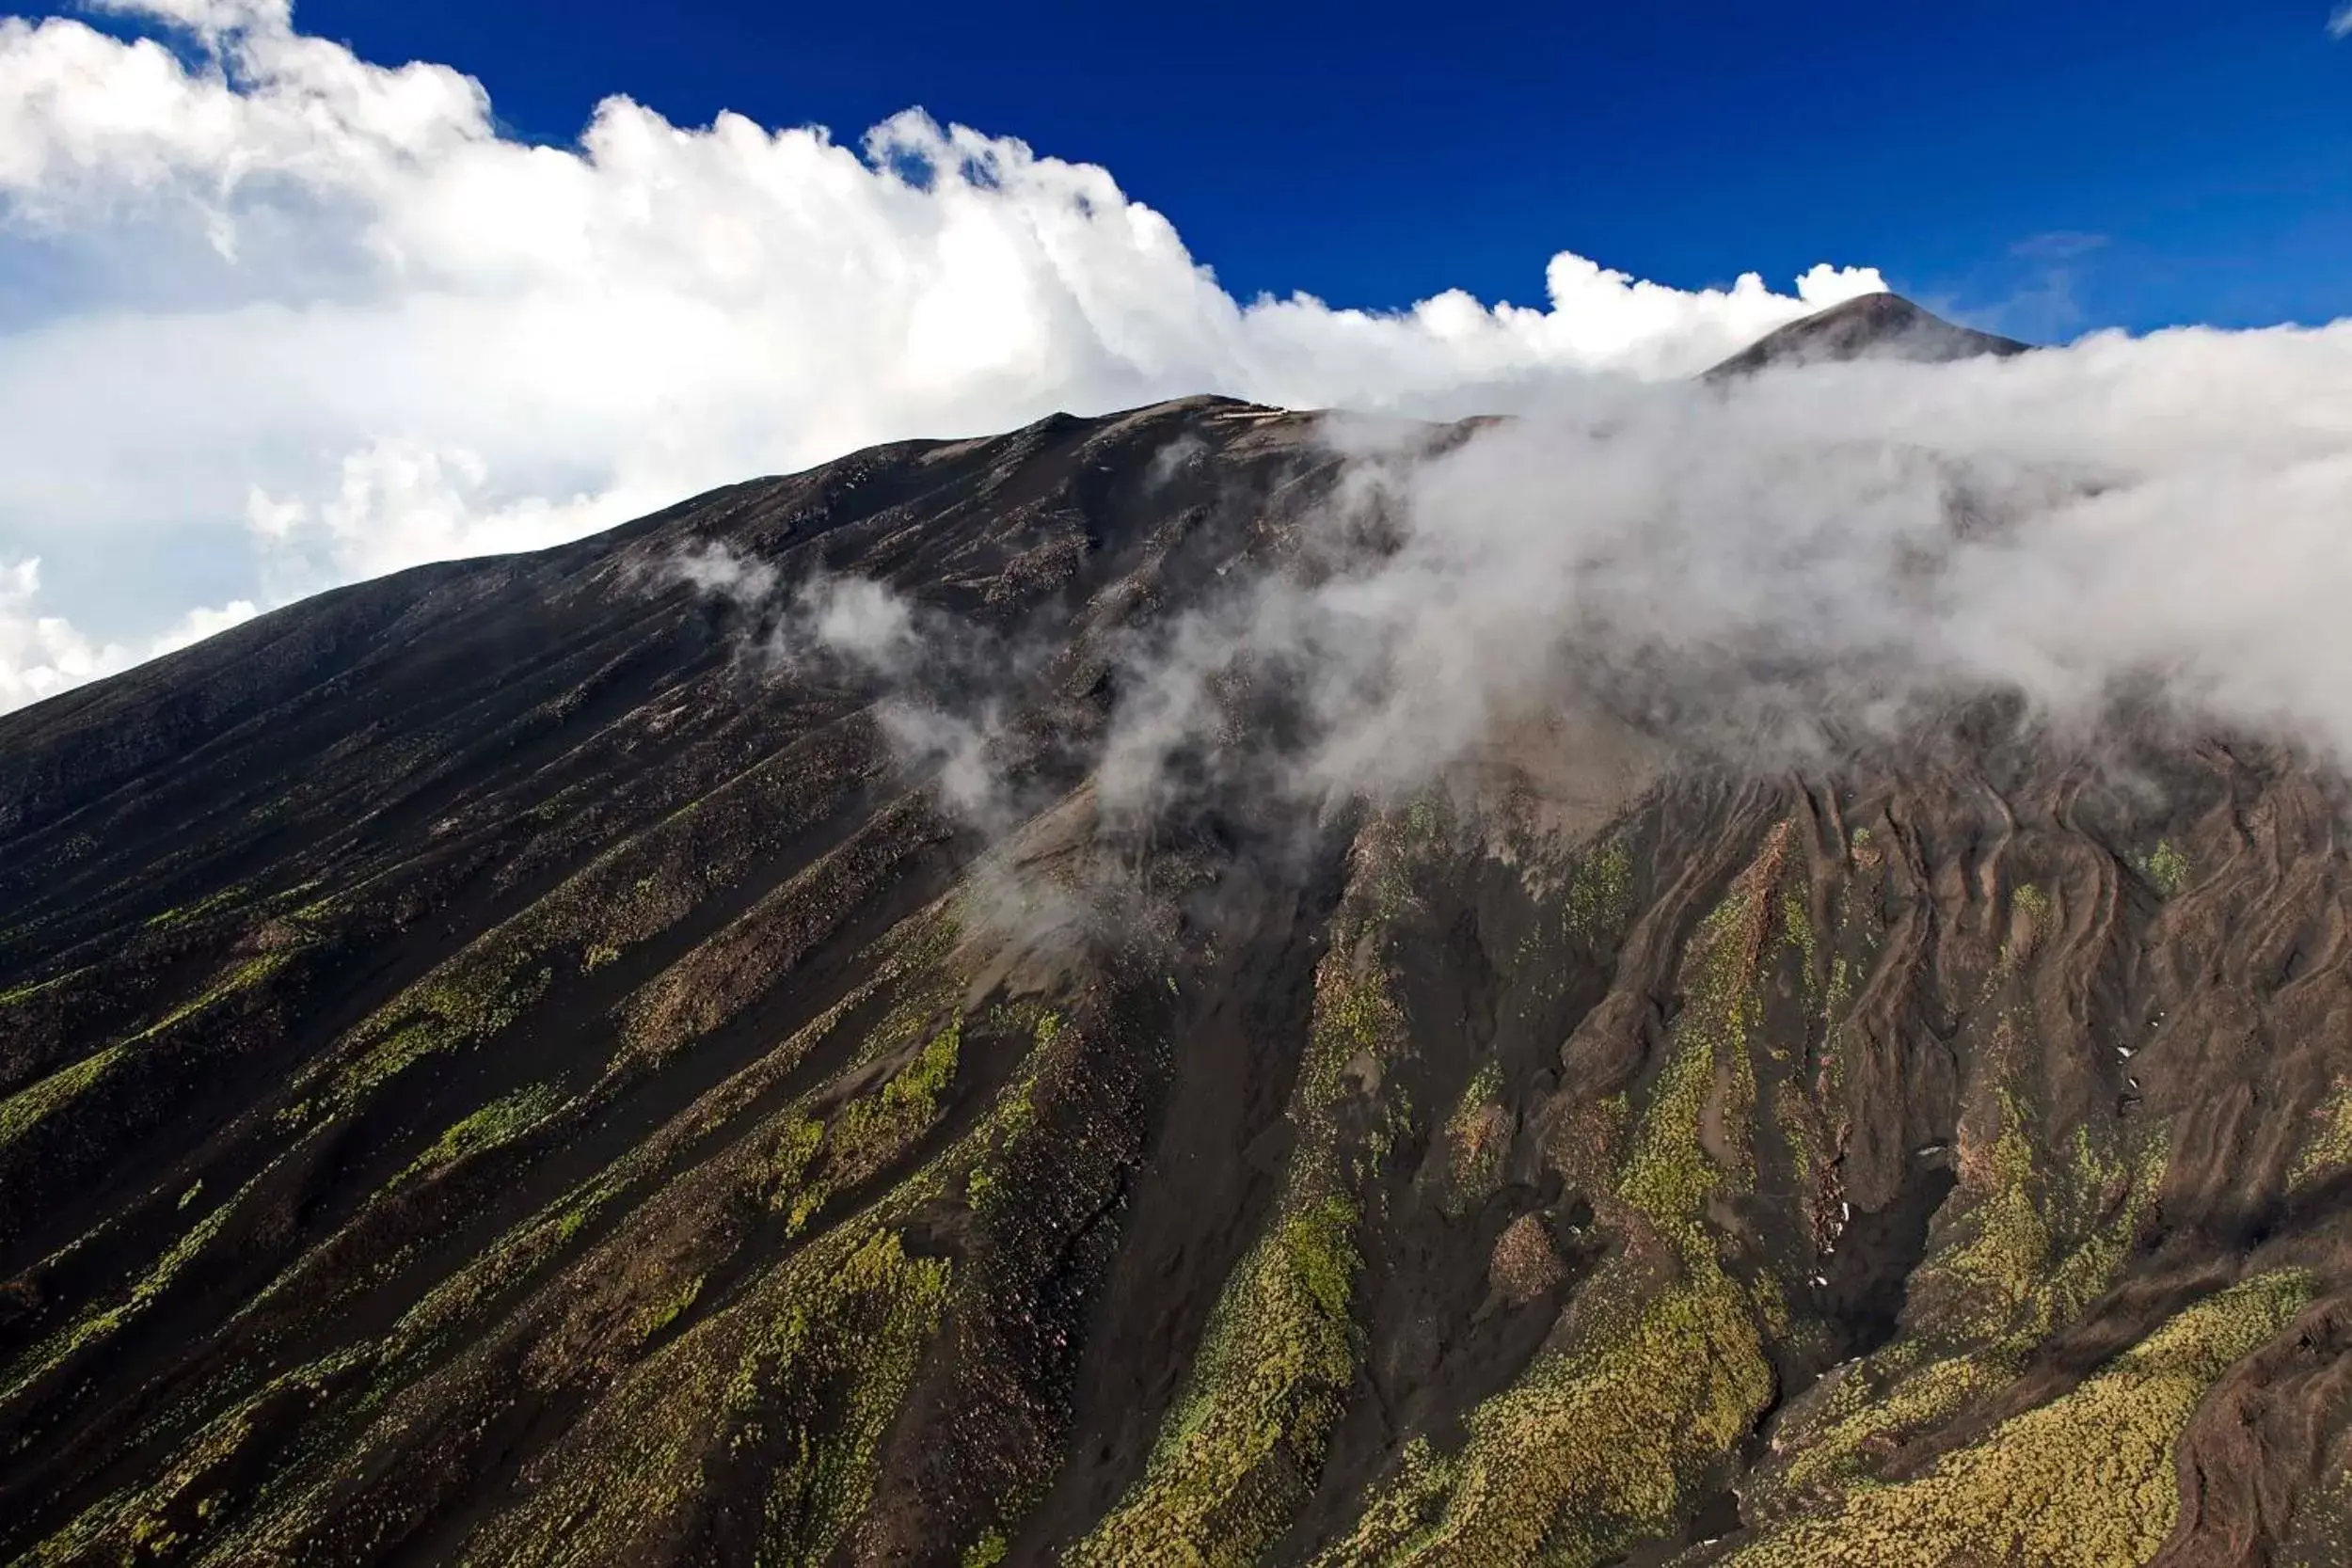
<point x="498" y="1067"/>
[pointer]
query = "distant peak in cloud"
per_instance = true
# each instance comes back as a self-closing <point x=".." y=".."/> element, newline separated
<point x="1869" y="326"/>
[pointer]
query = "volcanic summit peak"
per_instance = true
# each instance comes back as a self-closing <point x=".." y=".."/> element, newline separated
<point x="1872" y="326"/>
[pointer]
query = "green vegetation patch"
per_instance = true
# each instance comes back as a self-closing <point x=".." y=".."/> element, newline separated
<point x="795" y="1386"/>
<point x="15" y="996"/>
<point x="1260" y="1405"/>
<point x="103" y="1323"/>
<point x="1600" y="894"/>
<point x="1599" y="1447"/>
<point x="2026" y="1246"/>
<point x="1404" y="1514"/>
<point x="813" y="1160"/>
<point x="847" y="1351"/>
<point x="36" y="1102"/>
<point x="227" y="897"/>
<point x="2166" y="867"/>
<point x="1670" y="1175"/>
<point x="208" y="1479"/>
<point x="501" y="1122"/>
<point x="793" y="1138"/>
<point x="1013" y="1117"/>
<point x="1603" y="1442"/>
<point x="1239" y="1453"/>
<point x="2002" y="1257"/>
<point x="1796" y="927"/>
<point x="628" y="894"/>
<point x="2327" y="1147"/>
<point x="1477" y="1135"/>
<point x="2084" y="1481"/>
<point x="462" y="1004"/>
<point x="1874" y="1407"/>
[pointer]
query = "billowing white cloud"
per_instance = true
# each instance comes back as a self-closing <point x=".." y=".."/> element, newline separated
<point x="43" y="655"/>
<point x="318" y="312"/>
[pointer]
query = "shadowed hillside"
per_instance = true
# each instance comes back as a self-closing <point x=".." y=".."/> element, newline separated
<point x="499" y="1065"/>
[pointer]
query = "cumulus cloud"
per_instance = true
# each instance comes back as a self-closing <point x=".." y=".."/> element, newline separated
<point x="43" y="655"/>
<point x="210" y="19"/>
<point x="285" y="304"/>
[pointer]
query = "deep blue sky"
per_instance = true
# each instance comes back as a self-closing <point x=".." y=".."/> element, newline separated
<point x="2046" y="167"/>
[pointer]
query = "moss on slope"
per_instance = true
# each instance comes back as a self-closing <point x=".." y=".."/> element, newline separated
<point x="2084" y="1482"/>
<point x="1663" y="1370"/>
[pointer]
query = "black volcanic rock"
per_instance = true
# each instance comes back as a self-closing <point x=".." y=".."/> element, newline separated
<point x="1874" y="327"/>
<point x="496" y="1067"/>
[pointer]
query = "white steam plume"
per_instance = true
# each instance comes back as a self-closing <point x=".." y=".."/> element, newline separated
<point x="941" y="686"/>
<point x="1819" y="554"/>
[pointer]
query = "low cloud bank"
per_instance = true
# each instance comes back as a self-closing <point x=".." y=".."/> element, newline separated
<point x="1788" y="567"/>
<point x="1836" y="549"/>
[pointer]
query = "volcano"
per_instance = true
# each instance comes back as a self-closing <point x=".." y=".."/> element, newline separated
<point x="1873" y="326"/>
<point x="510" y="1064"/>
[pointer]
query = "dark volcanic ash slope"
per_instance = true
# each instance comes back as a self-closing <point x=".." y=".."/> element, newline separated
<point x="497" y="1071"/>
